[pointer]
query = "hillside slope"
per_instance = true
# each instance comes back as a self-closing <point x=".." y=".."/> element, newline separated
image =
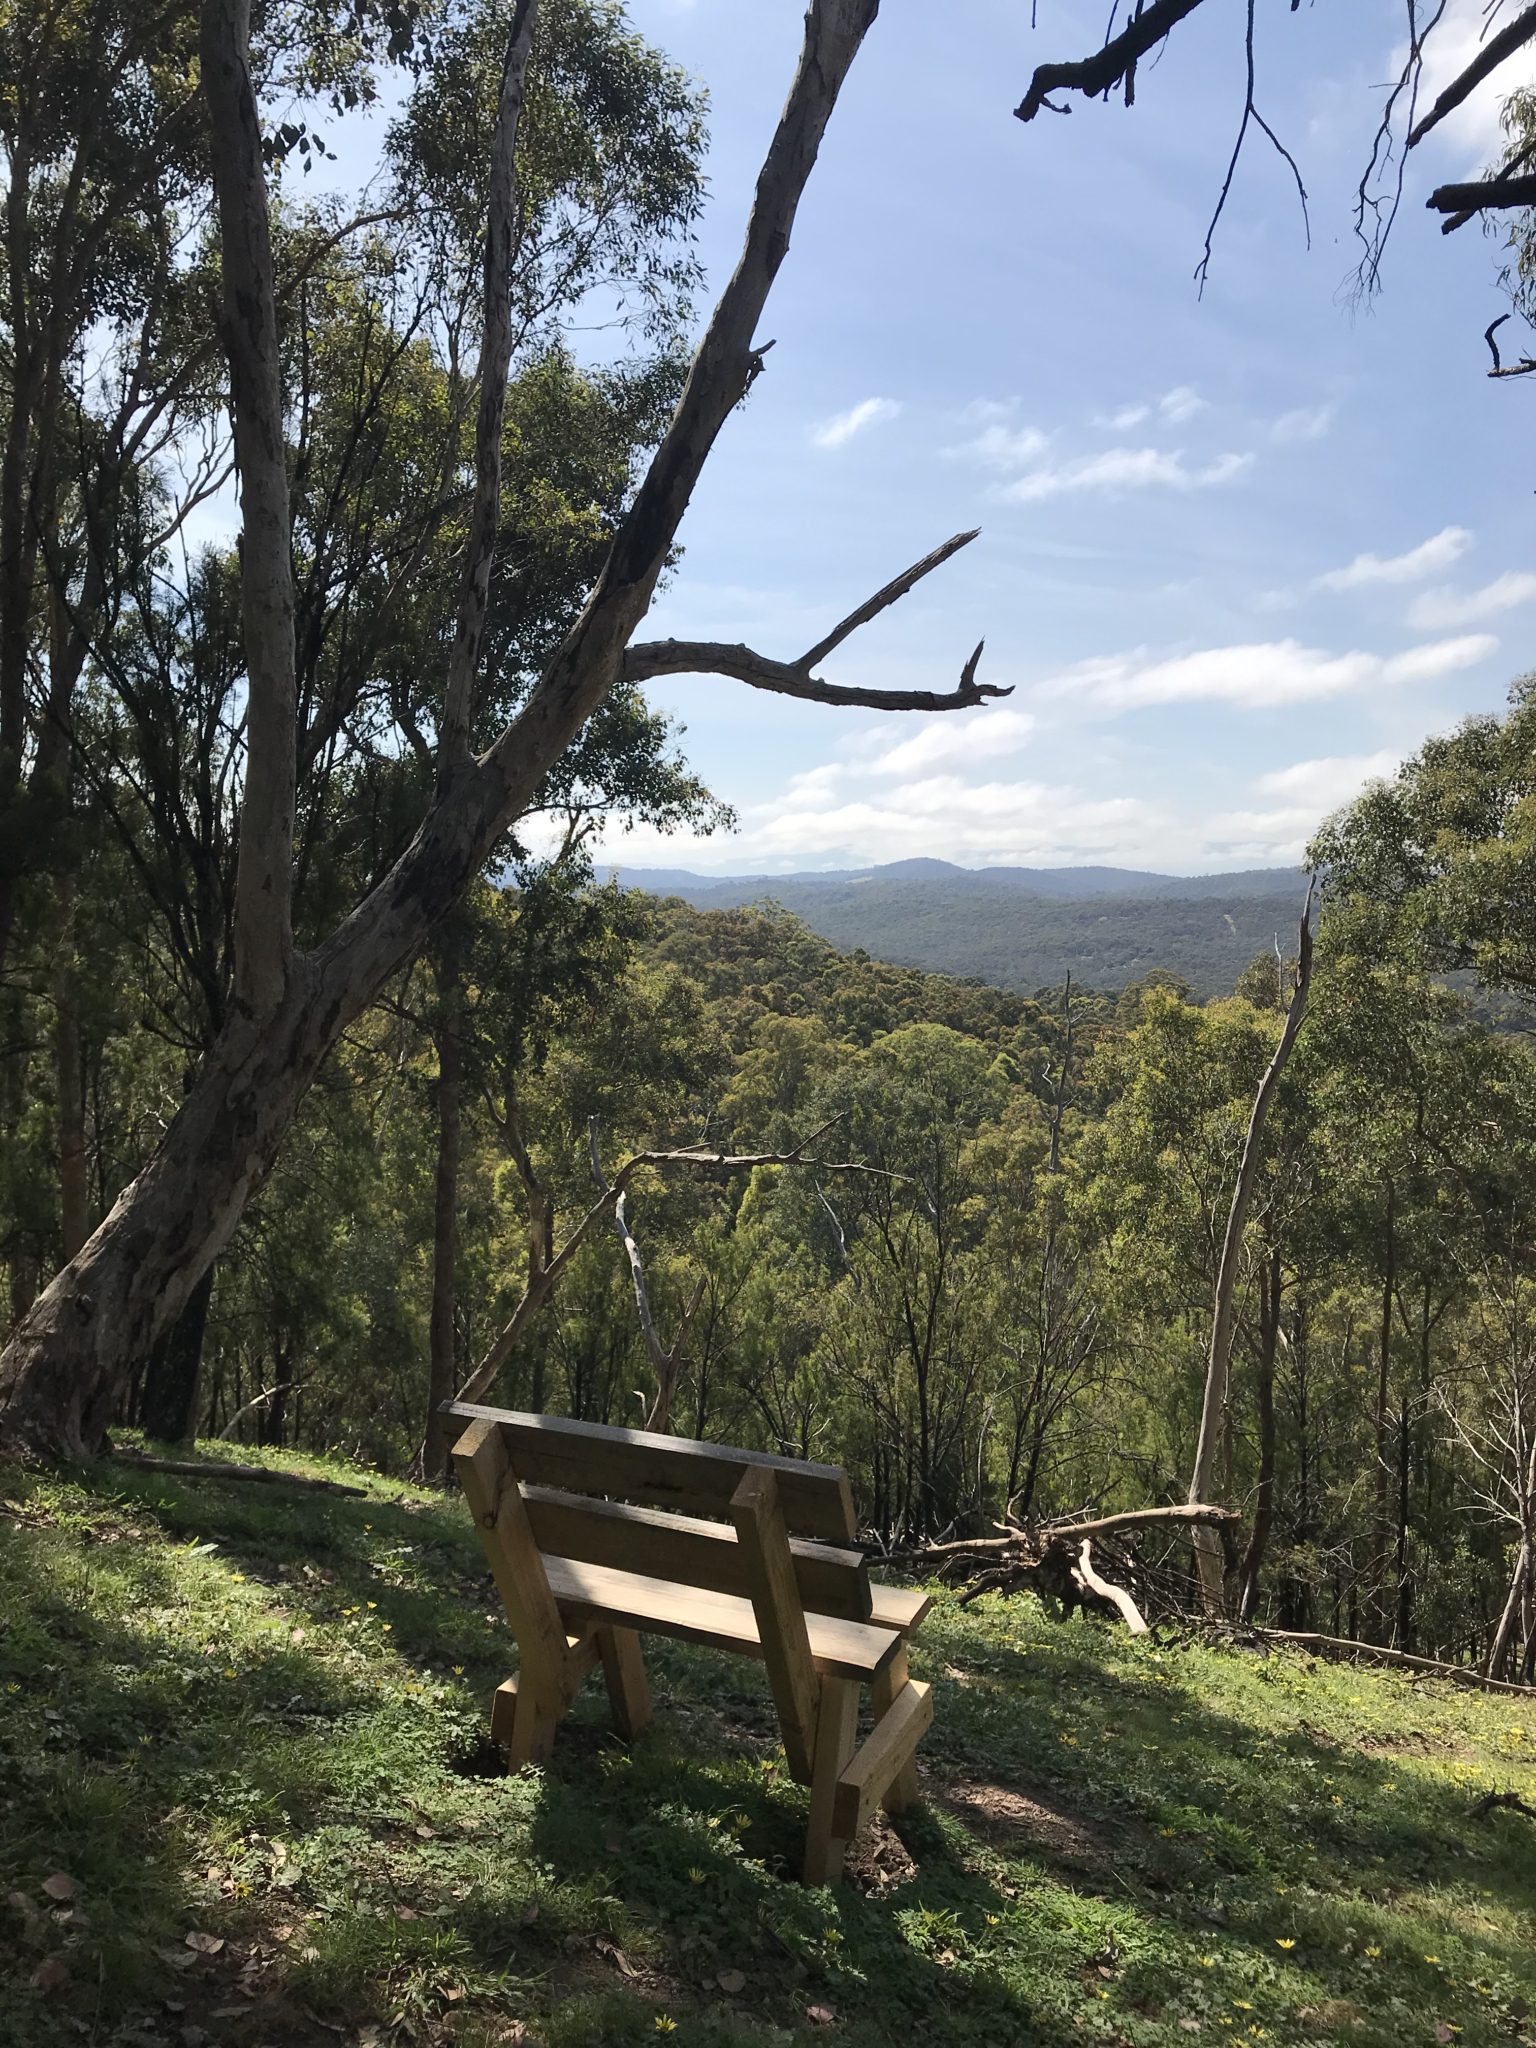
<point x="1024" y="928"/>
<point x="245" y="1797"/>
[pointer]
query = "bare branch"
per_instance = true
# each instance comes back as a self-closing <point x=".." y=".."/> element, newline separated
<point x="1483" y="194"/>
<point x="1103" y="71"/>
<point x="1487" y="60"/>
<point x="794" y="678"/>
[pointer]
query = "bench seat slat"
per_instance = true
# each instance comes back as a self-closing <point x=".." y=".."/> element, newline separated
<point x="663" y="1471"/>
<point x="843" y="1649"/>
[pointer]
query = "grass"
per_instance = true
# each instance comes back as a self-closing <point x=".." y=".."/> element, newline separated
<point x="257" y="1717"/>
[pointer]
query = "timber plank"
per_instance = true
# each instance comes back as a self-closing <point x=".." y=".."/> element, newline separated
<point x="847" y="1649"/>
<point x="831" y="1579"/>
<point x="781" y="1617"/>
<point x="663" y="1471"/>
<point x="865" y="1778"/>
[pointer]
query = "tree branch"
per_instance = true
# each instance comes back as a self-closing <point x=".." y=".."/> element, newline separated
<point x="1487" y="60"/>
<point x="1103" y="71"/>
<point x="652" y="658"/>
<point x="1483" y="194"/>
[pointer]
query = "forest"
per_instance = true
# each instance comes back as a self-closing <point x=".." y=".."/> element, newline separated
<point x="341" y="1085"/>
<point x="321" y="1107"/>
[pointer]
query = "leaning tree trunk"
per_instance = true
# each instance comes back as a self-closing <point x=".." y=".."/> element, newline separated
<point x="173" y="1375"/>
<point x="1209" y="1553"/>
<point x="63" y="1372"/>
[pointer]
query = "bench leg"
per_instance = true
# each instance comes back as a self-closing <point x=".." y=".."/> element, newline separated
<point x="629" y="1696"/>
<point x="888" y="1683"/>
<point x="525" y="1715"/>
<point x="836" y="1727"/>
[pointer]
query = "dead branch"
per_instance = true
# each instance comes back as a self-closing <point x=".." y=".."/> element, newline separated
<point x="1117" y="1596"/>
<point x="1219" y="1368"/>
<point x="254" y="1475"/>
<point x="651" y="658"/>
<point x="1108" y="67"/>
<point x="1511" y="1801"/>
<point x="1378" y="1653"/>
<point x="1487" y="61"/>
<point x="1483" y="194"/>
<point x="546" y="1265"/>
<point x="226" y="1434"/>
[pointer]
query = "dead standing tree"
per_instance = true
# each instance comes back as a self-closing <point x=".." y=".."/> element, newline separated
<point x="63" y="1372"/>
<point x="1209" y="1560"/>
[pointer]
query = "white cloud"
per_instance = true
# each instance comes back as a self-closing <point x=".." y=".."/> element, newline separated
<point x="1003" y="447"/>
<point x="1121" y="422"/>
<point x="1324" y="784"/>
<point x="1259" y="675"/>
<point x="1305" y="423"/>
<point x="1437" y="608"/>
<point x="1427" y="559"/>
<point x="1125" y="469"/>
<point x="842" y="426"/>
<point x="981" y="412"/>
<point x="1439" y="658"/>
<point x="1180" y="404"/>
<point x="956" y="742"/>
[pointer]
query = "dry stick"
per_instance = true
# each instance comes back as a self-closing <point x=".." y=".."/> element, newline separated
<point x="1378" y="1653"/>
<point x="1481" y="1808"/>
<point x="1483" y="193"/>
<point x="267" y="1394"/>
<point x="1218" y="1376"/>
<point x="546" y="1268"/>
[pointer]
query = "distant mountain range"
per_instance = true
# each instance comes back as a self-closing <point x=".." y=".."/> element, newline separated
<point x="1023" y="928"/>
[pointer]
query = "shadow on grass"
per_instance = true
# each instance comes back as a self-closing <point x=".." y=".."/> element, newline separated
<point x="315" y="1685"/>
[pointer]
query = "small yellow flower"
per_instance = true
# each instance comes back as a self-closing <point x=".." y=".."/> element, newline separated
<point x="1336" y="1800"/>
<point x="387" y="1626"/>
<point x="832" y="1933"/>
<point x="1243" y="2004"/>
<point x="695" y="1875"/>
<point x="994" y="1919"/>
<point x="1373" y="1952"/>
<point x="1207" y="1962"/>
<point x="665" y="2024"/>
<point x="458" y="1670"/>
<point x="1284" y="1941"/>
<point x="1165" y="1831"/>
<point x="373" y="1603"/>
<point x="238" y="1577"/>
<point x="229" y="1674"/>
<point x="743" y="1820"/>
<point x="1431" y="1959"/>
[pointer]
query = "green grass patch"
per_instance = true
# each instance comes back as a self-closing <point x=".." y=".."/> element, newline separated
<point x="257" y="1717"/>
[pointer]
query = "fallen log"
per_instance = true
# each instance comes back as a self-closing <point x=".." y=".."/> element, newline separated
<point x="1481" y="1808"/>
<point x="254" y="1475"/>
<point x="1379" y="1653"/>
<point x="1056" y="1561"/>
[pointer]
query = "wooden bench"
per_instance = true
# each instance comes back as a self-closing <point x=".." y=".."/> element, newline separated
<point x="597" y="1536"/>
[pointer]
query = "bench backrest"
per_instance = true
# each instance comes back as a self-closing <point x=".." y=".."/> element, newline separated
<point x="638" y="1501"/>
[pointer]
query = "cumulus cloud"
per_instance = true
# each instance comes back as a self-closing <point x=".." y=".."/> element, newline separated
<point x="1429" y="558"/>
<point x="1125" y="469"/>
<point x="1180" y="404"/>
<point x="841" y="428"/>
<point x="1322" y="785"/>
<point x="1305" y="423"/>
<point x="1440" y="608"/>
<point x="956" y="742"/>
<point x="1004" y="447"/>
<point x="1259" y="675"/>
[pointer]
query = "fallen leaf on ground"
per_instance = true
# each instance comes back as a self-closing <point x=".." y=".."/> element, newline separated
<point x="820" y="2015"/>
<point x="205" y="1944"/>
<point x="51" y="1975"/>
<point x="59" y="1886"/>
<point x="731" y="1981"/>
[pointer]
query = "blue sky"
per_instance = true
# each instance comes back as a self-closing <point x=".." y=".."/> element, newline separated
<point x="1238" y="552"/>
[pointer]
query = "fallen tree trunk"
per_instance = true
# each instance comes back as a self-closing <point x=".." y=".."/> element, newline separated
<point x="1055" y="1560"/>
<point x="254" y="1475"/>
<point x="1378" y="1653"/>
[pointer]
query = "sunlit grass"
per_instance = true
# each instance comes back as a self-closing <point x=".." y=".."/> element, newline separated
<point x="258" y="1716"/>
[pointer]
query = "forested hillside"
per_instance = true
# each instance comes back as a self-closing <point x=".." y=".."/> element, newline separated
<point x="1024" y="928"/>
